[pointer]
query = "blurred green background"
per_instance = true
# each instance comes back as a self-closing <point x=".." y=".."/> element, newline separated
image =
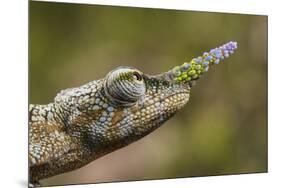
<point x="222" y="130"/>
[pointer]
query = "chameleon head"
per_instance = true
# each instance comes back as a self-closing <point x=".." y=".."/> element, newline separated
<point x="128" y="104"/>
<point x="143" y="102"/>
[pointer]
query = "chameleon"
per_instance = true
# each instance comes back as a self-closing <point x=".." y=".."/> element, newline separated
<point x="85" y="123"/>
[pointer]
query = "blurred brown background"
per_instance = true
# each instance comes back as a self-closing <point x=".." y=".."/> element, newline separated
<point x="222" y="130"/>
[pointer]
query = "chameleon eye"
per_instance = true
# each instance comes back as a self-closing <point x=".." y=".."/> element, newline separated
<point x="124" y="86"/>
<point x="137" y="76"/>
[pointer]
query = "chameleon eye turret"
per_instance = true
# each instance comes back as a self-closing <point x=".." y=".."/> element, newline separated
<point x="90" y="121"/>
<point x="124" y="86"/>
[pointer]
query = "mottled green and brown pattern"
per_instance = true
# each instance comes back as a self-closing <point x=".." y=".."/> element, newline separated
<point x="87" y="122"/>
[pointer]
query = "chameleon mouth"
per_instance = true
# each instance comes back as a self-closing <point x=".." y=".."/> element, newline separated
<point x="175" y="99"/>
<point x="178" y="98"/>
<point x="159" y="110"/>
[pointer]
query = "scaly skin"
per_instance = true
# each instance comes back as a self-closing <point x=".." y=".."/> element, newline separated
<point x="87" y="122"/>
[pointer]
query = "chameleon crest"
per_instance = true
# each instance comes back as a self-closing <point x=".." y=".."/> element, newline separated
<point x="87" y="122"/>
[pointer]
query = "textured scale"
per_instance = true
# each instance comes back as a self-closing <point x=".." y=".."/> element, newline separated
<point x="87" y="122"/>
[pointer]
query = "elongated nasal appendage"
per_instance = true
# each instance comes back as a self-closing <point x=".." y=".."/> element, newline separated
<point x="196" y="67"/>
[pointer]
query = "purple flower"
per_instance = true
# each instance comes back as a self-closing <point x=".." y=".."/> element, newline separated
<point x="226" y="53"/>
<point x="205" y="63"/>
<point x="208" y="58"/>
<point x="218" y="53"/>
<point x="198" y="60"/>
<point x="185" y="67"/>
<point x="202" y="63"/>
<point x="217" y="61"/>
